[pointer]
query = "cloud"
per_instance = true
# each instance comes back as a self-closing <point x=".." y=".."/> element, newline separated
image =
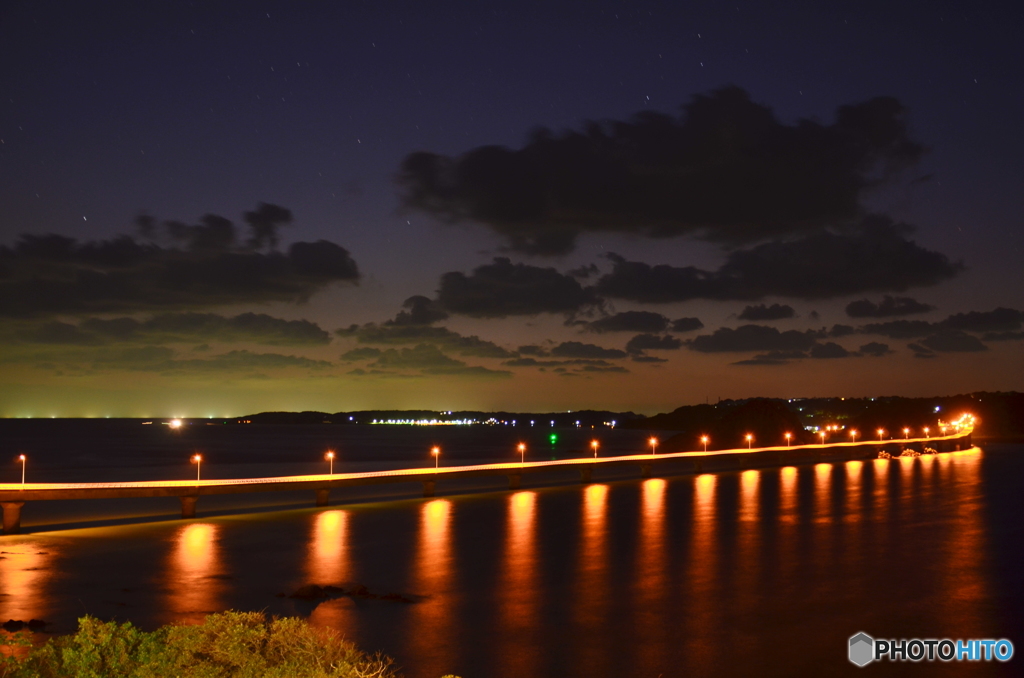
<point x="997" y="320"/>
<point x="576" y="349"/>
<point x="686" y="325"/>
<point x="599" y="369"/>
<point x="361" y="353"/>
<point x="773" y="358"/>
<point x="645" y="342"/>
<point x="501" y="289"/>
<point x="1003" y="336"/>
<point x="726" y="170"/>
<point x="419" y="311"/>
<point x="753" y="338"/>
<point x="889" y="306"/>
<point x="829" y="350"/>
<point x="161" y="359"/>
<point x="841" y="331"/>
<point x="921" y="351"/>
<point x="875" y="349"/>
<point x="953" y="341"/>
<point x="46" y="275"/>
<point x="430" y="360"/>
<point x="533" y="362"/>
<point x="648" y="359"/>
<point x="876" y="256"/>
<point x="900" y="329"/>
<point x="630" y="321"/>
<point x="398" y="334"/>
<point x="762" y="312"/>
<point x="256" y="328"/>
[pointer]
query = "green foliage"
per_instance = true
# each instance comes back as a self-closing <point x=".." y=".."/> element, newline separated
<point x="225" y="645"/>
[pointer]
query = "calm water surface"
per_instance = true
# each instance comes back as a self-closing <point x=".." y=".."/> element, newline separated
<point x="760" y="572"/>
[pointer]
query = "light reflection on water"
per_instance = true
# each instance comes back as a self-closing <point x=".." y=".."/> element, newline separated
<point x="695" y="574"/>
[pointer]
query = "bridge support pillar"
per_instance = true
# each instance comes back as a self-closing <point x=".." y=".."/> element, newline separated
<point x="12" y="516"/>
<point x="513" y="481"/>
<point x="585" y="473"/>
<point x="645" y="470"/>
<point x="428" y="488"/>
<point x="188" y="506"/>
<point x="323" y="496"/>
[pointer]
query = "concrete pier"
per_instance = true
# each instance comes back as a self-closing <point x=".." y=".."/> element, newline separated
<point x="188" y="505"/>
<point x="12" y="516"/>
<point x="323" y="496"/>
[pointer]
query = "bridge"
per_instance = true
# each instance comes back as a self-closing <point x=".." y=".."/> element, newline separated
<point x="14" y="496"/>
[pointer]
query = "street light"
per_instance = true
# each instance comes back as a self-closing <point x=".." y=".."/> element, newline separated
<point x="853" y="435"/>
<point x="906" y="433"/>
<point x="750" y="441"/>
<point x="822" y="434"/>
<point x="522" y="453"/>
<point x="704" y="439"/>
<point x="789" y="438"/>
<point x="436" y="451"/>
<point x="593" y="443"/>
<point x="925" y="431"/>
<point x="330" y="459"/>
<point x="197" y="459"/>
<point x="654" y="445"/>
<point x="21" y="458"/>
<point x="881" y="432"/>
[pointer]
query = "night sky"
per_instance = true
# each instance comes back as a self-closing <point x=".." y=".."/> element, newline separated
<point x="211" y="209"/>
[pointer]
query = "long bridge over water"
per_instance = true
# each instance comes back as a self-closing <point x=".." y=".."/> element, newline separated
<point x="14" y="496"/>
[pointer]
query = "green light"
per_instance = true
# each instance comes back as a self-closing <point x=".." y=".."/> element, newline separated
<point x="554" y="438"/>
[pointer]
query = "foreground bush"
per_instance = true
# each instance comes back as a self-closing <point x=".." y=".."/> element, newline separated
<point x="225" y="645"/>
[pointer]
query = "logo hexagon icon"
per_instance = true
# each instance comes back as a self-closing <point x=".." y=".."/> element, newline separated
<point x="862" y="649"/>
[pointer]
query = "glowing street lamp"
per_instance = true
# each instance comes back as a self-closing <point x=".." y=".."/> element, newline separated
<point x="704" y="439"/>
<point x="654" y="445"/>
<point x="925" y="431"/>
<point x="906" y="433"/>
<point x="880" y="432"/>
<point x="436" y="451"/>
<point x="174" y="423"/>
<point x="822" y="434"/>
<point x="197" y="459"/>
<point x="522" y="453"/>
<point x="750" y="441"/>
<point x="593" y="444"/>
<point x="21" y="458"/>
<point x="853" y="435"/>
<point x="330" y="459"/>
<point x="789" y="439"/>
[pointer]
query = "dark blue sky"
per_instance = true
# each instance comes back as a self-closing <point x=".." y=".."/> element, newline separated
<point x="181" y="110"/>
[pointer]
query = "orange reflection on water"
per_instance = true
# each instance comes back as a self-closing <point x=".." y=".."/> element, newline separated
<point x="23" y="579"/>
<point x="787" y="495"/>
<point x="823" y="493"/>
<point x="703" y="576"/>
<point x="518" y="595"/>
<point x="193" y="573"/>
<point x="432" y="621"/>
<point x="965" y="586"/>
<point x="881" y="495"/>
<point x="590" y="600"/>
<point x="328" y="563"/>
<point x="854" y="471"/>
<point x="650" y="581"/>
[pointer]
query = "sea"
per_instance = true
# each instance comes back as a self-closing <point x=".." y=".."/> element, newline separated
<point x="763" y="572"/>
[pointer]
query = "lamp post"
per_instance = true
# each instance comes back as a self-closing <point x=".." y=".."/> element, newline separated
<point x="822" y="434"/>
<point x="330" y="459"/>
<point x="906" y="433"/>
<point x="704" y="439"/>
<point x="750" y="441"/>
<point x="789" y="438"/>
<point x="880" y="432"/>
<point x="197" y="459"/>
<point x="925" y="431"/>
<point x="522" y="453"/>
<point x="654" y="445"/>
<point x="593" y="444"/>
<point x="436" y="451"/>
<point x="21" y="458"/>
<point x="853" y="435"/>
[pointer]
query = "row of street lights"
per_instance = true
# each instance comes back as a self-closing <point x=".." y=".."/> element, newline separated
<point x="435" y="451"/>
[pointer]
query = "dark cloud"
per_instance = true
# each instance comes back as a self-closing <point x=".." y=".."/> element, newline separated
<point x="205" y="266"/>
<point x="596" y="368"/>
<point x="829" y="350"/>
<point x="1003" y="336"/>
<point x="361" y="353"/>
<point x="584" y="271"/>
<point x="419" y="311"/>
<point x="841" y="331"/>
<point x="953" y="341"/>
<point x="630" y="321"/>
<point x="727" y="170"/>
<point x="998" y="320"/>
<point x="686" y="325"/>
<point x="875" y="349"/>
<point x="429" y="359"/>
<point x="531" y="349"/>
<point x="264" y="222"/>
<point x="773" y="358"/>
<point x="887" y="308"/>
<point x="900" y="329"/>
<point x="502" y="289"/>
<point x="533" y="362"/>
<point x="753" y="338"/>
<point x="576" y="349"/>
<point x="398" y="334"/>
<point x="875" y="256"/>
<point x="648" y="359"/>
<point x="257" y="328"/>
<point x="921" y="351"/>
<point x="762" y="312"/>
<point x="644" y="342"/>
<point x="161" y="359"/>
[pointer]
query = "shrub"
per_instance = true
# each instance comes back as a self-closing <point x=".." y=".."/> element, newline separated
<point x="226" y="645"/>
